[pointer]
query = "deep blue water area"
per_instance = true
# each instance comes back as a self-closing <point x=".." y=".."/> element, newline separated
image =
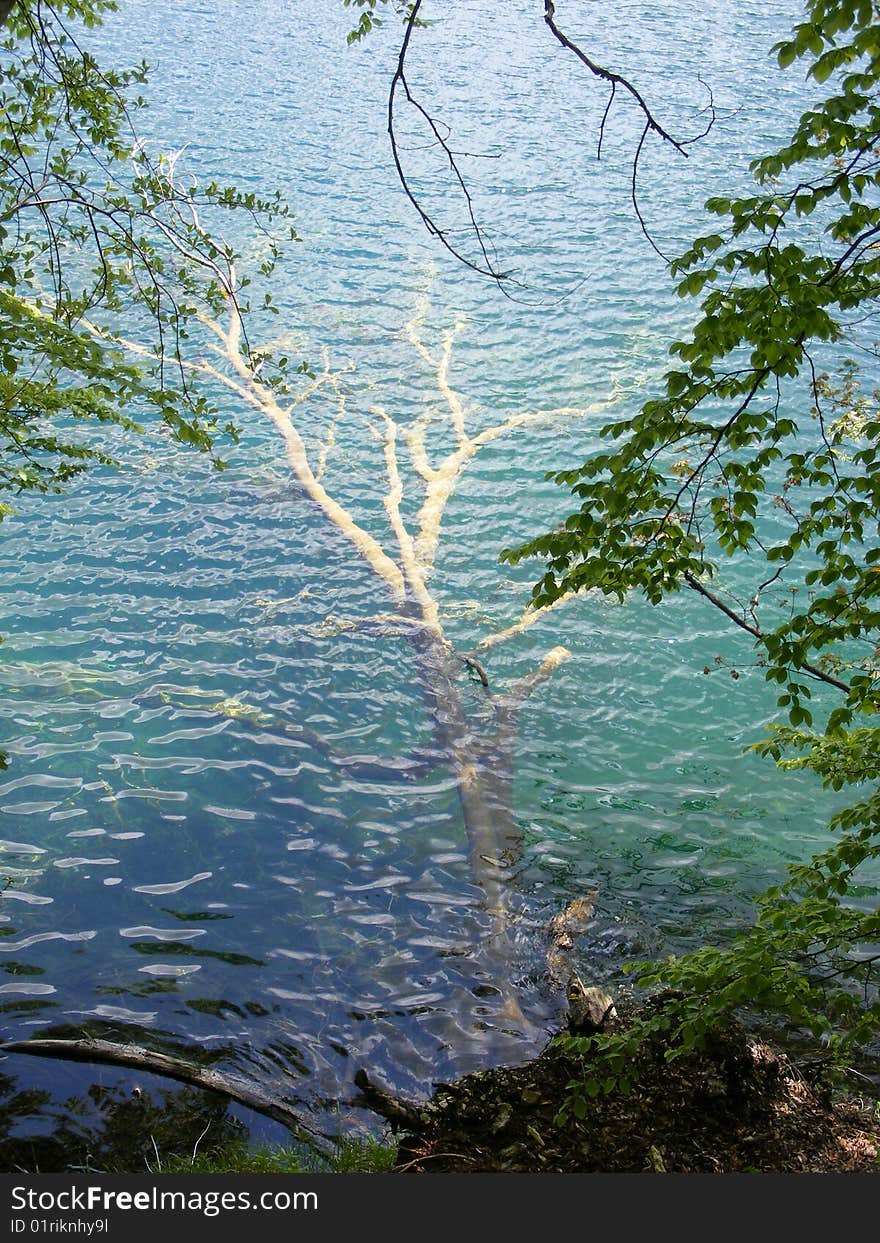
<point x="180" y="861"/>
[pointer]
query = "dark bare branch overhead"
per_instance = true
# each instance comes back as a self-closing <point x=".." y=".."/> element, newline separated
<point x="651" y="124"/>
<point x="613" y="79"/>
<point x="486" y="264"/>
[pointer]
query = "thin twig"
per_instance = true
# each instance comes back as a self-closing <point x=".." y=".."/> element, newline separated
<point x="399" y="82"/>
<point x="755" y="631"/>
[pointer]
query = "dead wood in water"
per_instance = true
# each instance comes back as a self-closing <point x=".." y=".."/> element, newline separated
<point x="401" y="1114"/>
<point x="135" y="1057"/>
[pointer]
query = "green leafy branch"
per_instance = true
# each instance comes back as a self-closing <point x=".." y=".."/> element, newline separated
<point x="756" y="452"/>
<point x="95" y="231"/>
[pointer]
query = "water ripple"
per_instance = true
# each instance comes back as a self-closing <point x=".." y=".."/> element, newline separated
<point x="166" y="970"/>
<point x="172" y="886"/>
<point x="22" y="989"/>
<point x="8" y="947"/>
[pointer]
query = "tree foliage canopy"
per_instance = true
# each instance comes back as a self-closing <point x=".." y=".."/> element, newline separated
<point x="96" y="232"/>
<point x="762" y="449"/>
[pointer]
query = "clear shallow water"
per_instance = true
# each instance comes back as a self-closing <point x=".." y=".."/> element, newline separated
<point x="182" y="862"/>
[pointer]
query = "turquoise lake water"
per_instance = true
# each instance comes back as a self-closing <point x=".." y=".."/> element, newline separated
<point x="179" y="869"/>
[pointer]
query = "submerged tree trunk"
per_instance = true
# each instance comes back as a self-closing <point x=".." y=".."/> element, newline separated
<point x="483" y="767"/>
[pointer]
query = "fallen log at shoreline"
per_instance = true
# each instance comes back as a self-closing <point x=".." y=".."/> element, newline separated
<point x="136" y="1057"/>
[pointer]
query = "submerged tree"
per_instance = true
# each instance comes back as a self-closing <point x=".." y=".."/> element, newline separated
<point x="420" y="461"/>
<point x="763" y="450"/>
<point x="722" y="465"/>
<point x="480" y="756"/>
